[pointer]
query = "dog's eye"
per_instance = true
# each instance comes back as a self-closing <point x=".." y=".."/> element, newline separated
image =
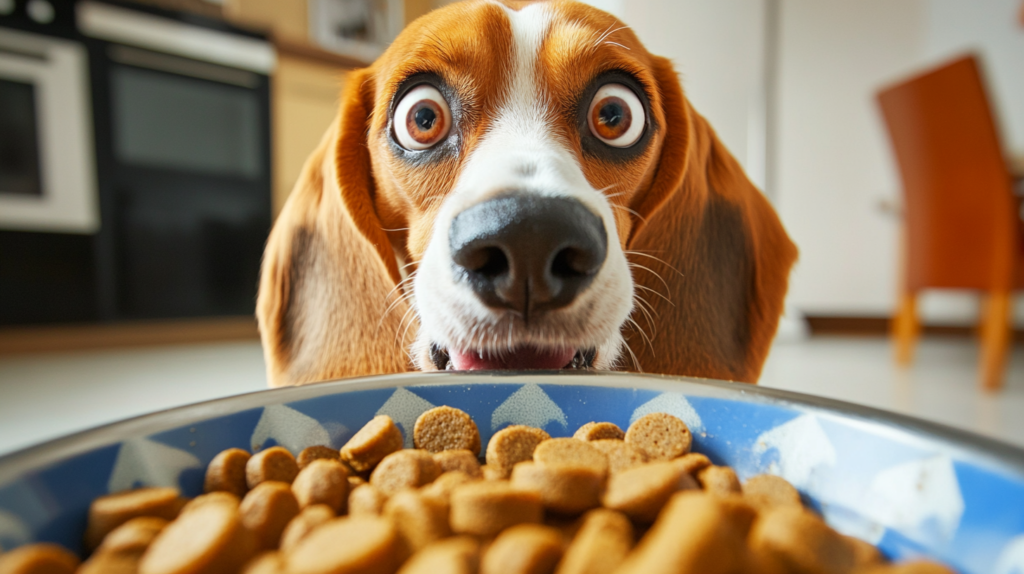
<point x="616" y="116"/>
<point x="422" y="118"/>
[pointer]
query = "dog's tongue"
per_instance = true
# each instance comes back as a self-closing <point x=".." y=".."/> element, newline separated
<point x="521" y="358"/>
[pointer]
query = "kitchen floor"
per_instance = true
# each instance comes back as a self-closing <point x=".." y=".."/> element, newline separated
<point x="46" y="396"/>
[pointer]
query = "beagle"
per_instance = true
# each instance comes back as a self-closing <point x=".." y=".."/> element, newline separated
<point x="521" y="185"/>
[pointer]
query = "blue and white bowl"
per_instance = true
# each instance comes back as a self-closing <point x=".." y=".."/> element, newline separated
<point x="912" y="487"/>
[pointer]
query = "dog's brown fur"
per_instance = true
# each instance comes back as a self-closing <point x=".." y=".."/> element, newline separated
<point x="710" y="257"/>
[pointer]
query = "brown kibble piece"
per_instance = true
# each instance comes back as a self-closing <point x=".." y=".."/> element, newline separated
<point x="404" y="469"/>
<point x="510" y="446"/>
<point x="864" y="553"/>
<point x="354" y="481"/>
<point x="570" y="453"/>
<point x="266" y="510"/>
<point x="420" y="519"/>
<point x="443" y="486"/>
<point x="599" y="431"/>
<point x="485" y="508"/>
<point x="322" y="482"/>
<point x="275" y="463"/>
<point x="266" y="563"/>
<point x="318" y="452"/>
<point x="132" y="537"/>
<point x="719" y="480"/>
<point x="108" y="512"/>
<point x="311" y="518"/>
<point x="524" y="549"/>
<point x="366" y="500"/>
<point x="562" y="489"/>
<point x="660" y="435"/>
<point x="641" y="492"/>
<point x="912" y="567"/>
<point x="102" y="564"/>
<point x="491" y="472"/>
<point x="601" y="544"/>
<point x="695" y="532"/>
<point x="458" y="555"/>
<point x="692" y="462"/>
<point x="227" y="472"/>
<point x="208" y="540"/>
<point x="377" y="439"/>
<point x="461" y="460"/>
<point x="219" y="497"/>
<point x="621" y="455"/>
<point x="767" y="491"/>
<point x="446" y="428"/>
<point x="43" y="558"/>
<point x="801" y="541"/>
<point x="349" y="545"/>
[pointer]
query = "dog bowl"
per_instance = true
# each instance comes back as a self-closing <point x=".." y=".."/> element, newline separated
<point x="912" y="487"/>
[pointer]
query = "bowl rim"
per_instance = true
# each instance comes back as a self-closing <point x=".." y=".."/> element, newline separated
<point x="968" y="446"/>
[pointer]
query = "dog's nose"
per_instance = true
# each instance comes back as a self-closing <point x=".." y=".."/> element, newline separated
<point x="527" y="253"/>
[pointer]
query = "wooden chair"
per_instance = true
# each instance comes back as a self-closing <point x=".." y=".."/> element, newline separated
<point x="961" y="228"/>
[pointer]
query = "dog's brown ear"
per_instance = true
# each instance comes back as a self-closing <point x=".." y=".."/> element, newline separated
<point x="329" y="271"/>
<point x="716" y="256"/>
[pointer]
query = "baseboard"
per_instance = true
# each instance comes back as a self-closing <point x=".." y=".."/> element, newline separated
<point x="879" y="326"/>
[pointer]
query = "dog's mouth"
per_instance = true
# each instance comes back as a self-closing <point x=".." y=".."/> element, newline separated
<point x="519" y="358"/>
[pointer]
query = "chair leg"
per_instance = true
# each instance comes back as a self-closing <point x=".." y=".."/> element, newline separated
<point x="995" y="338"/>
<point x="906" y="328"/>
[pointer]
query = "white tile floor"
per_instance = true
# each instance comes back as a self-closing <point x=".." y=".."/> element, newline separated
<point x="46" y="396"/>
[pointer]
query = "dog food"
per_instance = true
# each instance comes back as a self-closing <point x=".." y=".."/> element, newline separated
<point x="540" y="505"/>
<point x="445" y="428"/>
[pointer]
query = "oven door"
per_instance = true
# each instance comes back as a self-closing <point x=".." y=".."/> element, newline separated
<point x="47" y="174"/>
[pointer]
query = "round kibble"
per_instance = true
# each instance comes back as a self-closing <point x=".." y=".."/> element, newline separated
<point x="457" y="555"/>
<point x="720" y="480"/>
<point x="603" y="541"/>
<point x="660" y="435"/>
<point x="366" y="500"/>
<point x="510" y="446"/>
<point x="349" y="545"/>
<point x="801" y="541"/>
<point x="641" y="492"/>
<point x="404" y="469"/>
<point x="266" y="510"/>
<point x="275" y="463"/>
<point x="311" y="453"/>
<point x="100" y="564"/>
<point x="864" y="553"/>
<point x="461" y="460"/>
<point x="43" y="558"/>
<point x="692" y="462"/>
<point x="767" y="491"/>
<point x="562" y="489"/>
<point x="220" y="497"/>
<point x="266" y="563"/>
<point x="621" y="455"/>
<point x="485" y="508"/>
<point x="108" y="512"/>
<point x="443" y="486"/>
<point x="377" y="439"/>
<point x="420" y="519"/>
<point x="524" y="549"/>
<point x="570" y="453"/>
<point x="322" y="482"/>
<point x="227" y="472"/>
<point x="446" y="428"/>
<point x="311" y="518"/>
<point x="132" y="537"/>
<point x="599" y="431"/>
<point x="208" y="540"/>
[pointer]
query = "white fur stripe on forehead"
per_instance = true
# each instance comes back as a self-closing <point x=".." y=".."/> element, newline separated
<point x="529" y="25"/>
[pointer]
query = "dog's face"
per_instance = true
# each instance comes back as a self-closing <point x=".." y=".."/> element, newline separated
<point x="508" y="141"/>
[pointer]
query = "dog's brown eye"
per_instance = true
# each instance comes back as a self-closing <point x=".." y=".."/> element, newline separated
<point x="616" y="116"/>
<point x="422" y="118"/>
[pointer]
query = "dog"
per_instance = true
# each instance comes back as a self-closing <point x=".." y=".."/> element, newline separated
<point x="520" y="185"/>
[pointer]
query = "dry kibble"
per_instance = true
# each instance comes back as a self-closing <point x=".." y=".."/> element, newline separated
<point x="266" y="563"/>
<point x="275" y="463"/>
<point x="864" y="553"/>
<point x="912" y="567"/>
<point x="570" y="453"/>
<point x="132" y="537"/>
<point x="444" y="485"/>
<point x="41" y="558"/>
<point x="461" y="460"/>
<point x="404" y="469"/>
<point x="103" y="564"/>
<point x="719" y="480"/>
<point x="318" y="452"/>
<point x="601" y="544"/>
<point x="767" y="491"/>
<point x="692" y="463"/>
<point x="801" y="541"/>
<point x="322" y="482"/>
<point x="208" y="540"/>
<point x="366" y="500"/>
<point x="349" y="545"/>
<point x="108" y="512"/>
<point x="641" y="492"/>
<point x="227" y="472"/>
<point x="599" y="431"/>
<point x="485" y="508"/>
<point x="266" y="510"/>
<point x="377" y="439"/>
<point x="493" y="472"/>
<point x="458" y="555"/>
<point x="562" y="489"/>
<point x="524" y="549"/>
<point x="311" y="518"/>
<point x="446" y="428"/>
<point x="220" y="497"/>
<point x="621" y="455"/>
<point x="660" y="435"/>
<point x="510" y="446"/>
<point x="420" y="519"/>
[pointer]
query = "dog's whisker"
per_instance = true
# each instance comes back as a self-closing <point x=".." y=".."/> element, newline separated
<point x="646" y="288"/>
<point x="630" y="211"/>
<point x="610" y="43"/>
<point x="658" y="259"/>
<point x="405" y="298"/>
<point x="636" y="362"/>
<point x="644" y="307"/>
<point x="643" y="334"/>
<point x="401" y="340"/>
<point x="636" y="265"/>
<point x="398" y="229"/>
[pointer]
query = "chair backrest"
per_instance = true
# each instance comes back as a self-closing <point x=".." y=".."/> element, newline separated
<point x="959" y="215"/>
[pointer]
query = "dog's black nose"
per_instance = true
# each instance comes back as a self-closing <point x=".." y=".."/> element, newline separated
<point x="527" y="253"/>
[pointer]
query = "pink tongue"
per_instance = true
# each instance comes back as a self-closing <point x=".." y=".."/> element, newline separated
<point x="521" y="358"/>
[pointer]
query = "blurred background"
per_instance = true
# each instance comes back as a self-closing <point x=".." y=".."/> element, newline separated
<point x="145" y="148"/>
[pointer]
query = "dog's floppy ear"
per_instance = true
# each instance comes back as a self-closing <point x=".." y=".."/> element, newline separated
<point x="716" y="254"/>
<point x="329" y="271"/>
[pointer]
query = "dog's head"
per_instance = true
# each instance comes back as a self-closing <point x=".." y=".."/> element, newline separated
<point x="490" y="178"/>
